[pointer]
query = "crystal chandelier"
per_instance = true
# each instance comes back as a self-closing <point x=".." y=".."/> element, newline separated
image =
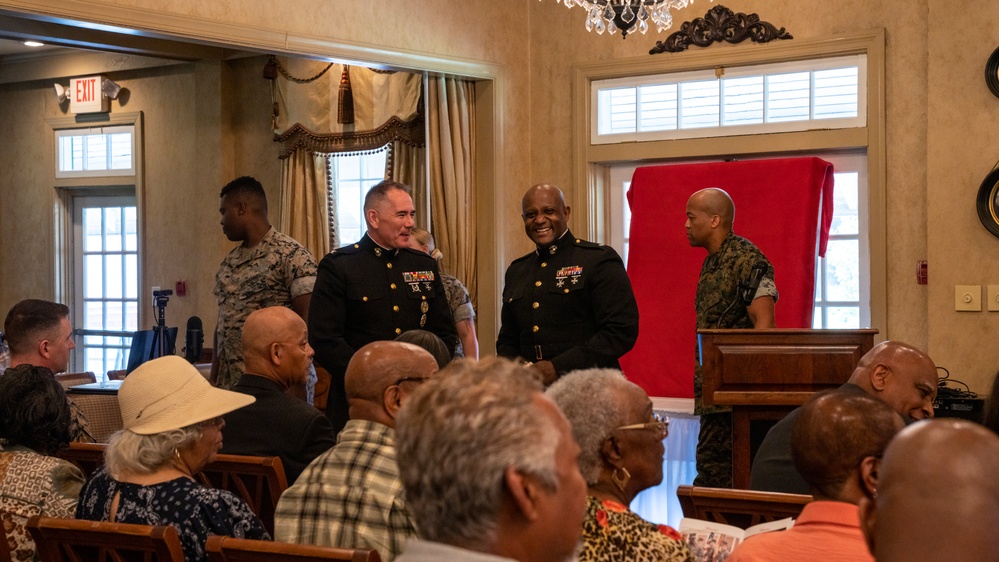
<point x="624" y="15"/>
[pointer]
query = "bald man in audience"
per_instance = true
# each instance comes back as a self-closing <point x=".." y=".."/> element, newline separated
<point x="895" y="373"/>
<point x="276" y="351"/>
<point x="351" y="496"/>
<point x="836" y="442"/>
<point x="938" y="497"/>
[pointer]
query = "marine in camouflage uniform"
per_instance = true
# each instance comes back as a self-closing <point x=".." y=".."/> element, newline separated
<point x="272" y="273"/>
<point x="461" y="305"/>
<point x="717" y="290"/>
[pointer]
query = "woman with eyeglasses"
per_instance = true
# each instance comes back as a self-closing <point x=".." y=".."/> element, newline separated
<point x="621" y="453"/>
<point x="172" y="429"/>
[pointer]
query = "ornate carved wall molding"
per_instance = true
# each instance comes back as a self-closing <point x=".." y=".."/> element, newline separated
<point x="720" y="24"/>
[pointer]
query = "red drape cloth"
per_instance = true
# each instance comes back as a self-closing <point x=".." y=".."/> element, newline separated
<point x="782" y="205"/>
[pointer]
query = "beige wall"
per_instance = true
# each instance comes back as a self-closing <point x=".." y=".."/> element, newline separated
<point x="942" y="123"/>
<point x="194" y="142"/>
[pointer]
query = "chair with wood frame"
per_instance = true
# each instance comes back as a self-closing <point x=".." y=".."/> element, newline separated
<point x="259" y="481"/>
<point x="72" y="379"/>
<point x="740" y="508"/>
<point x="73" y="540"/>
<point x="88" y="457"/>
<point x="228" y="549"/>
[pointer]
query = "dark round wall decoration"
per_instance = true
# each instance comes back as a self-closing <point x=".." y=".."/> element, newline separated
<point x="992" y="73"/>
<point x="988" y="202"/>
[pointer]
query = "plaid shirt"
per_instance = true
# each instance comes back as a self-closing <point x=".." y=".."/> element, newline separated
<point x="350" y="496"/>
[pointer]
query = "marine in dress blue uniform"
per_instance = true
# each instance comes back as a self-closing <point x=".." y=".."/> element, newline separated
<point x="366" y="292"/>
<point x="569" y="303"/>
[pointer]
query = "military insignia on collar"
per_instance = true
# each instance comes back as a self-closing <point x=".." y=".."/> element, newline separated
<point x="572" y="272"/>
<point x="378" y="251"/>
<point x="553" y="249"/>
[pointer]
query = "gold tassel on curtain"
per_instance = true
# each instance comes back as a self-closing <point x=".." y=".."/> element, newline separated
<point x="345" y="99"/>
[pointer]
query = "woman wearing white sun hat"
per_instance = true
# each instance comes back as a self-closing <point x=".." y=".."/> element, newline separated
<point x="172" y="429"/>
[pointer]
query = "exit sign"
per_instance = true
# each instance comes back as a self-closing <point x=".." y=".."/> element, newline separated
<point x="85" y="95"/>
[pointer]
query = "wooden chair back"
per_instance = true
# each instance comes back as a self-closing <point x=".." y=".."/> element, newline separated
<point x="259" y="481"/>
<point x="88" y="457"/>
<point x="73" y="540"/>
<point x="740" y="508"/>
<point x="228" y="549"/>
<point x="72" y="379"/>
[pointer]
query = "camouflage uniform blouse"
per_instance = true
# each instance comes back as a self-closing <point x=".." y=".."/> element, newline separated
<point x="460" y="303"/>
<point x="272" y="273"/>
<point x="718" y="289"/>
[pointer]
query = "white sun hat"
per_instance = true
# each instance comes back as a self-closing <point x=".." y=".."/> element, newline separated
<point x="169" y="393"/>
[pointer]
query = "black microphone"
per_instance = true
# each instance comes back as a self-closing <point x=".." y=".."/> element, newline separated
<point x="757" y="274"/>
<point x="195" y="340"/>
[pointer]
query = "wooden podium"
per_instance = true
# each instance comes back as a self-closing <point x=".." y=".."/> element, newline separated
<point x="764" y="374"/>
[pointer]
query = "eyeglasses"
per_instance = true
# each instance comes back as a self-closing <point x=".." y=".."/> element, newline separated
<point x="659" y="424"/>
<point x="417" y="380"/>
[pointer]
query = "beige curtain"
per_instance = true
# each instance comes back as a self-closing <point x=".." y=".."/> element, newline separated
<point x="451" y="147"/>
<point x="305" y="214"/>
<point x="309" y="100"/>
<point x="408" y="164"/>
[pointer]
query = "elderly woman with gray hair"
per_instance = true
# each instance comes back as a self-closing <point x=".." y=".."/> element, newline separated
<point x="172" y="428"/>
<point x="621" y="442"/>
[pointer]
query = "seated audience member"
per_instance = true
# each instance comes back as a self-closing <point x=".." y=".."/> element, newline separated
<point x="990" y="417"/>
<point x="277" y="356"/>
<point x="39" y="333"/>
<point x="34" y="426"/>
<point x="457" y="296"/>
<point x="938" y="495"/>
<point x="893" y="372"/>
<point x="490" y="467"/>
<point x="621" y="442"/>
<point x="351" y="496"/>
<point x="837" y="442"/>
<point x="430" y="342"/>
<point x="172" y="429"/>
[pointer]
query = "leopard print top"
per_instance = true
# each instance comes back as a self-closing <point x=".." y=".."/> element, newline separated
<point x="613" y="533"/>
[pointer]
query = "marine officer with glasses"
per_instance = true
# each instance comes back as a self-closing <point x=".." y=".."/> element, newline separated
<point x="351" y="496"/>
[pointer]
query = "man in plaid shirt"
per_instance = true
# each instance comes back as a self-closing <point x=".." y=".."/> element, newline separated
<point x="351" y="495"/>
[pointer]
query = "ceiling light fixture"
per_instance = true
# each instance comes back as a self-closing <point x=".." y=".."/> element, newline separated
<point x="625" y="15"/>
<point x="34" y="44"/>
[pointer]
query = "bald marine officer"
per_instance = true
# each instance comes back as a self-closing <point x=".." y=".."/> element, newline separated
<point x="375" y="290"/>
<point x="567" y="305"/>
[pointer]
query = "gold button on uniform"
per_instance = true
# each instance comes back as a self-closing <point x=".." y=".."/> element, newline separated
<point x="537" y="283"/>
<point x="395" y="308"/>
<point x="535" y="305"/>
<point x="567" y="290"/>
<point x="392" y="286"/>
<point x="535" y="329"/>
<point x="398" y="331"/>
<point x="389" y="265"/>
<point x="365" y="299"/>
<point x="423" y="297"/>
<point x="544" y="264"/>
